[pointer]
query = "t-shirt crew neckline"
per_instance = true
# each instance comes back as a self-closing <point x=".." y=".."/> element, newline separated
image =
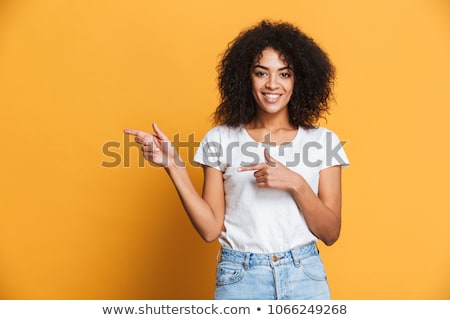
<point x="296" y="137"/>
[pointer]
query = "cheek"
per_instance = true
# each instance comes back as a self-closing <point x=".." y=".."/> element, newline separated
<point x="291" y="85"/>
<point x="255" y="84"/>
<point x="290" y="89"/>
<point x="254" y="87"/>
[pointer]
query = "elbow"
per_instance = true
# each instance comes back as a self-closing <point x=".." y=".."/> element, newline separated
<point x="329" y="240"/>
<point x="209" y="239"/>
<point x="210" y="236"/>
<point x="212" y="232"/>
<point x="331" y="234"/>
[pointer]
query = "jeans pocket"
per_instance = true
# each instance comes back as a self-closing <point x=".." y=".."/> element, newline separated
<point x="313" y="268"/>
<point x="229" y="273"/>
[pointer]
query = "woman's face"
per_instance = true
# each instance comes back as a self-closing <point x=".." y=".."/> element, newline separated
<point x="272" y="81"/>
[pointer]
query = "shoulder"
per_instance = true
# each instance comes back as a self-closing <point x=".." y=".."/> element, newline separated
<point x="321" y="137"/>
<point x="328" y="145"/>
<point x="318" y="133"/>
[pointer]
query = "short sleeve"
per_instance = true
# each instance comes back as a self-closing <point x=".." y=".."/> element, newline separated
<point x="210" y="151"/>
<point x="333" y="151"/>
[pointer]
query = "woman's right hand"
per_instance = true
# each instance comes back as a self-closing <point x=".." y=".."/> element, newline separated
<point x="156" y="148"/>
<point x="205" y="212"/>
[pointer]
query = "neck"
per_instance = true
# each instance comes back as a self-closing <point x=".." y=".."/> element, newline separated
<point x="271" y="122"/>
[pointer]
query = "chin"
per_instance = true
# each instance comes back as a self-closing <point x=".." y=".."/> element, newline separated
<point x="272" y="109"/>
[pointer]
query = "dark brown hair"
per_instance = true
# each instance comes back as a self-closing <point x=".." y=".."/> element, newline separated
<point x="313" y="74"/>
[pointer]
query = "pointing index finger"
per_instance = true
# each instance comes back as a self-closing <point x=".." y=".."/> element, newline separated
<point x="131" y="131"/>
<point x="251" y="167"/>
<point x="141" y="137"/>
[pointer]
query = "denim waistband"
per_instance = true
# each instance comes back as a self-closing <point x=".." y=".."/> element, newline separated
<point x="248" y="258"/>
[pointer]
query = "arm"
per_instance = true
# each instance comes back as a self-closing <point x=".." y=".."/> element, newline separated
<point x="322" y="212"/>
<point x="206" y="212"/>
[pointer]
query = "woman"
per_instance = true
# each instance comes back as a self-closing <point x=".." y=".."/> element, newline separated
<point x="272" y="179"/>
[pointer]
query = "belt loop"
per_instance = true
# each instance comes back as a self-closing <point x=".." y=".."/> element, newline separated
<point x="295" y="258"/>
<point x="247" y="260"/>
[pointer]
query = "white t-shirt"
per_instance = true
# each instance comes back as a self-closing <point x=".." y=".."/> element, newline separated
<point x="264" y="220"/>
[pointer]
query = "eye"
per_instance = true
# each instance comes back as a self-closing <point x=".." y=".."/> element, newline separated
<point x="260" y="74"/>
<point x="285" y="75"/>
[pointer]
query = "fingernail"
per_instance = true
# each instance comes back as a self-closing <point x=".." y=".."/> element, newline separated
<point x="239" y="169"/>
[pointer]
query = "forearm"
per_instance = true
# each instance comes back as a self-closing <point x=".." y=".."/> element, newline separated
<point x="323" y="222"/>
<point x="202" y="217"/>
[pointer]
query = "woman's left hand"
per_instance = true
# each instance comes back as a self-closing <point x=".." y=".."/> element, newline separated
<point x="322" y="212"/>
<point x="273" y="174"/>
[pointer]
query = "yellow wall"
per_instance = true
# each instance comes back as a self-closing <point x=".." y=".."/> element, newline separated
<point x="73" y="74"/>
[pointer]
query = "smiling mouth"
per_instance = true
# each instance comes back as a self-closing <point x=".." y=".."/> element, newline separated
<point x="272" y="95"/>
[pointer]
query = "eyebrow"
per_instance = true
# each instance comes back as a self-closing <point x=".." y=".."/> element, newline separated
<point x="266" y="68"/>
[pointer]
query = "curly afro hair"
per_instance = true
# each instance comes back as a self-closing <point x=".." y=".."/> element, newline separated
<point x="313" y="74"/>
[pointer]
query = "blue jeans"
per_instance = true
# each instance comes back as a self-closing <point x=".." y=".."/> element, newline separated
<point x="297" y="274"/>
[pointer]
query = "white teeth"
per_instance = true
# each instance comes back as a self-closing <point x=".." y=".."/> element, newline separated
<point x="272" y="95"/>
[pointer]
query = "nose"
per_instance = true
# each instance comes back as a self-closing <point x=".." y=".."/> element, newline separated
<point x="271" y="82"/>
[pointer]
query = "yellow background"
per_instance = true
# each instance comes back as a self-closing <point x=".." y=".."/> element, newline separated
<point x="73" y="74"/>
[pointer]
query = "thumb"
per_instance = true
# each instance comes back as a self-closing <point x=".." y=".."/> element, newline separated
<point x="159" y="133"/>
<point x="271" y="162"/>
